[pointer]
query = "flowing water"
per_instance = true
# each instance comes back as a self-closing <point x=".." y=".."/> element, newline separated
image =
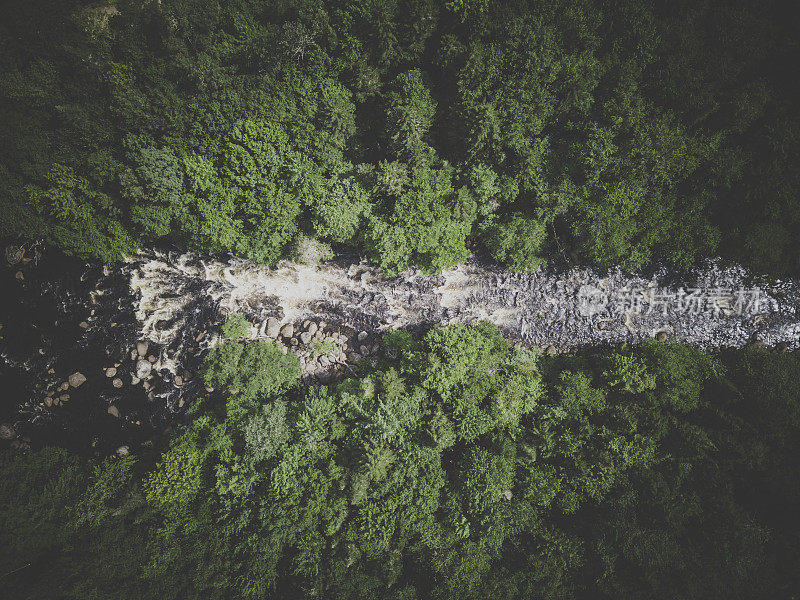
<point x="63" y="315"/>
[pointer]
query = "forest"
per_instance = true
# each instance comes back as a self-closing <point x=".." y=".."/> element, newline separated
<point x="627" y="132"/>
<point x="418" y="133"/>
<point x="462" y="468"/>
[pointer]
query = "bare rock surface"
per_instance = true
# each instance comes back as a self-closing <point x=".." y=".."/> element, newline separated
<point x="564" y="308"/>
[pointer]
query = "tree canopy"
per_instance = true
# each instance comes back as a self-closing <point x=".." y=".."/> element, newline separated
<point x="462" y="468"/>
<point x="618" y="132"/>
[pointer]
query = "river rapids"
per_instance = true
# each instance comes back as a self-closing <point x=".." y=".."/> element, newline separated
<point x="137" y="332"/>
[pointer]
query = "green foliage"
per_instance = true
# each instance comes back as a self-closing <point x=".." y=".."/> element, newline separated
<point x="176" y="478"/>
<point x="236" y="327"/>
<point x="624" y="134"/>
<point x="459" y="468"/>
<point x="323" y="347"/>
<point x="252" y="372"/>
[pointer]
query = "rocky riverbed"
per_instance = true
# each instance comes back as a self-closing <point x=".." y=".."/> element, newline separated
<point x="116" y="349"/>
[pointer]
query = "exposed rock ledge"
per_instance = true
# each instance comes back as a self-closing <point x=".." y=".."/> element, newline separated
<point x="555" y="309"/>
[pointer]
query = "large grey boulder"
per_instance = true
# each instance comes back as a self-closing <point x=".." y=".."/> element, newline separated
<point x="77" y="379"/>
<point x="273" y="327"/>
<point x="143" y="369"/>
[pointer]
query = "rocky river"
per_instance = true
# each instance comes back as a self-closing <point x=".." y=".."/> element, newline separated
<point x="110" y="354"/>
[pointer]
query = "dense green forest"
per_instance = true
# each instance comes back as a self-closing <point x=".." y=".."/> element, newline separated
<point x="462" y="468"/>
<point x="621" y="132"/>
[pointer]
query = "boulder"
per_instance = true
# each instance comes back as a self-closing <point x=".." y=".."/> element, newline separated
<point x="287" y="330"/>
<point x="273" y="327"/>
<point x="312" y="328"/>
<point x="117" y="382"/>
<point x="178" y="380"/>
<point x="143" y="369"/>
<point x="362" y="335"/>
<point x="77" y="379"/>
<point x="142" y="347"/>
<point x="111" y="372"/>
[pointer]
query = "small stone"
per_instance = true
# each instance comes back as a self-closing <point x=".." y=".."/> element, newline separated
<point x="63" y="387"/>
<point x="142" y="347"/>
<point x="77" y="379"/>
<point x="181" y="402"/>
<point x="312" y="328"/>
<point x="146" y="386"/>
<point x="209" y="389"/>
<point x="123" y="451"/>
<point x="294" y="341"/>
<point x="364" y="350"/>
<point x="143" y="369"/>
<point x="113" y="410"/>
<point x="152" y="359"/>
<point x="362" y="335"/>
<point x="508" y="495"/>
<point x="354" y="356"/>
<point x="306" y="323"/>
<point x="83" y="325"/>
<point x="661" y="336"/>
<point x="284" y="349"/>
<point x="63" y="398"/>
<point x="324" y="361"/>
<point x="135" y="380"/>
<point x="551" y="349"/>
<point x="273" y="327"/>
<point x="7" y="432"/>
<point x="287" y="330"/>
<point x="178" y="380"/>
<point x="48" y="401"/>
<point x="51" y="371"/>
<point x="110" y="372"/>
<point x="305" y="337"/>
<point x="321" y="325"/>
<point x="117" y="382"/>
<point x="19" y="275"/>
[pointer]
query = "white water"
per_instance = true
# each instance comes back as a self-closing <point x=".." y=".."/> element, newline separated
<point x="539" y="308"/>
